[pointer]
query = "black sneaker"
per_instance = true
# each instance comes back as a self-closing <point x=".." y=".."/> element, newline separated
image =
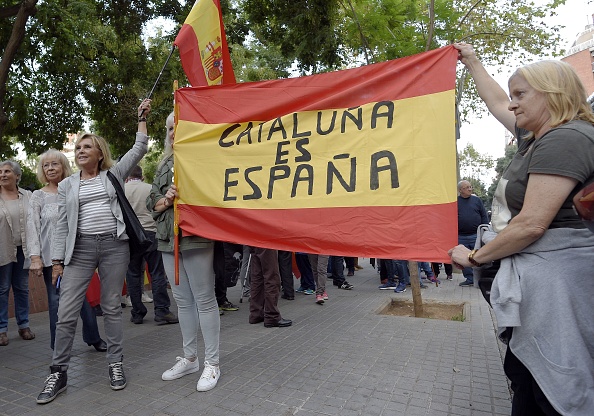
<point x="168" y="318"/>
<point x="346" y="285"/>
<point x="228" y="306"/>
<point x="117" y="379"/>
<point x="137" y="318"/>
<point x="55" y="384"/>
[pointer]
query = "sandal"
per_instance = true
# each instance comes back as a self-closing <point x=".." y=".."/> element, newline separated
<point x="3" y="339"/>
<point x="26" y="334"/>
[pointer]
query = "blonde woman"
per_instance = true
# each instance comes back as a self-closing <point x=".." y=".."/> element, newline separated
<point x="91" y="234"/>
<point x="195" y="295"/>
<point x="52" y="168"/>
<point x="542" y="294"/>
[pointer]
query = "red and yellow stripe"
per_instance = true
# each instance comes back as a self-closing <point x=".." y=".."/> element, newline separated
<point x="356" y="162"/>
<point x="203" y="46"/>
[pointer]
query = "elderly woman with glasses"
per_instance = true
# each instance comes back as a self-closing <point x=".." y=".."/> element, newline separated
<point x="14" y="203"/>
<point x="542" y="294"/>
<point x="52" y="168"/>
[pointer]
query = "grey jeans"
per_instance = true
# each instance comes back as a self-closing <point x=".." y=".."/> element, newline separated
<point x="110" y="257"/>
<point x="319" y="266"/>
<point x="197" y="307"/>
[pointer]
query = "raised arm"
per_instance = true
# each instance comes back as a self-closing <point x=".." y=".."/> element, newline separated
<point x="489" y="90"/>
<point x="136" y="153"/>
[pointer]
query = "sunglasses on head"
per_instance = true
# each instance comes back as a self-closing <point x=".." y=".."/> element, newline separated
<point x="583" y="202"/>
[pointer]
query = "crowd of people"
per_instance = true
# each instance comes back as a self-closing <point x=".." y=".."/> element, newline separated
<point x="74" y="226"/>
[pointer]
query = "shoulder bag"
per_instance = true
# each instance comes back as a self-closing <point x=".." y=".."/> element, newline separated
<point x="138" y="238"/>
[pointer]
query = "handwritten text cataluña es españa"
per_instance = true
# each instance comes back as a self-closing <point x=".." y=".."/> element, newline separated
<point x="303" y="171"/>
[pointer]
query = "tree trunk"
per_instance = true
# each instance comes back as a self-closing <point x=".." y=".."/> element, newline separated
<point x="26" y="9"/>
<point x="415" y="285"/>
<point x="431" y="25"/>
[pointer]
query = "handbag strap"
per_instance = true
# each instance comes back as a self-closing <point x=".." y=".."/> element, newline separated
<point x="116" y="184"/>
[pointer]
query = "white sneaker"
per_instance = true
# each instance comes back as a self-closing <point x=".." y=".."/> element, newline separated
<point x="209" y="378"/>
<point x="128" y="301"/>
<point x="146" y="298"/>
<point x="181" y="368"/>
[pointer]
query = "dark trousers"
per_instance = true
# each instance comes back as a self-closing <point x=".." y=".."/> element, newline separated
<point x="447" y="267"/>
<point x="528" y="400"/>
<point x="219" y="269"/>
<point x="382" y="269"/>
<point x="350" y="264"/>
<point x="388" y="269"/>
<point x="337" y="270"/>
<point x="285" y="263"/>
<point x="265" y="286"/>
<point x="135" y="280"/>
<point x="90" y="329"/>
<point x="304" y="266"/>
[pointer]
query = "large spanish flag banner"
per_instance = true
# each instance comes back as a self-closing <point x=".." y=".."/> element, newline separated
<point x="203" y="47"/>
<point x="360" y="162"/>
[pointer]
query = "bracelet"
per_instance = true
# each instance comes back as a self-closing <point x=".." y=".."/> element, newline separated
<point x="141" y="119"/>
<point x="57" y="262"/>
<point x="472" y="260"/>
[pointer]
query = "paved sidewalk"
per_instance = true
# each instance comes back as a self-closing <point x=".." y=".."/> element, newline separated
<point x="340" y="358"/>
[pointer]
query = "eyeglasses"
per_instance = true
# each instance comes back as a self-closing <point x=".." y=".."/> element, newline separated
<point x="583" y="202"/>
<point x="48" y="165"/>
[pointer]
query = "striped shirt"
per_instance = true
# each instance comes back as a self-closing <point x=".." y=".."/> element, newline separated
<point x="94" y="215"/>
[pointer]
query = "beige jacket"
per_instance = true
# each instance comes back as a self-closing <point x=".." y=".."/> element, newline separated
<point x="8" y="251"/>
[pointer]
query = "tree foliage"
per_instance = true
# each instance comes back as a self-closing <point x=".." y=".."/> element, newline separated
<point x="475" y="168"/>
<point x="474" y="164"/>
<point x="81" y="60"/>
<point x="500" y="165"/>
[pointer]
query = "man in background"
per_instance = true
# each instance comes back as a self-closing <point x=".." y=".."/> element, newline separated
<point x="137" y="191"/>
<point x="471" y="214"/>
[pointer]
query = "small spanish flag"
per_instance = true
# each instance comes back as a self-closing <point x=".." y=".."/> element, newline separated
<point x="203" y="47"/>
<point x="360" y="162"/>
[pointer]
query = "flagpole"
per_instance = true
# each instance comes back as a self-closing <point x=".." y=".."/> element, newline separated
<point x="175" y="217"/>
<point x="150" y="94"/>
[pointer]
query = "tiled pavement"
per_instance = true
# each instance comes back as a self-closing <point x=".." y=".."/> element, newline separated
<point x="340" y="358"/>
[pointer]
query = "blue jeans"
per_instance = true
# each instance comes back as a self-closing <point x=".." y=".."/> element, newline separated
<point x="13" y="275"/>
<point x="135" y="280"/>
<point x="403" y="272"/>
<point x="90" y="330"/>
<point x="426" y="267"/>
<point x="467" y="241"/>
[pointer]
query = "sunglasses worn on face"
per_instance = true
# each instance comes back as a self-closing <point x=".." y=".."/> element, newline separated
<point x="583" y="202"/>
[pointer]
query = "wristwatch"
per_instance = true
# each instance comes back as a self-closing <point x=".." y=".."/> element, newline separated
<point x="472" y="260"/>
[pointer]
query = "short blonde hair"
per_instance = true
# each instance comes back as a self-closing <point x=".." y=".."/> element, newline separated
<point x="60" y="157"/>
<point x="565" y="94"/>
<point x="100" y="144"/>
